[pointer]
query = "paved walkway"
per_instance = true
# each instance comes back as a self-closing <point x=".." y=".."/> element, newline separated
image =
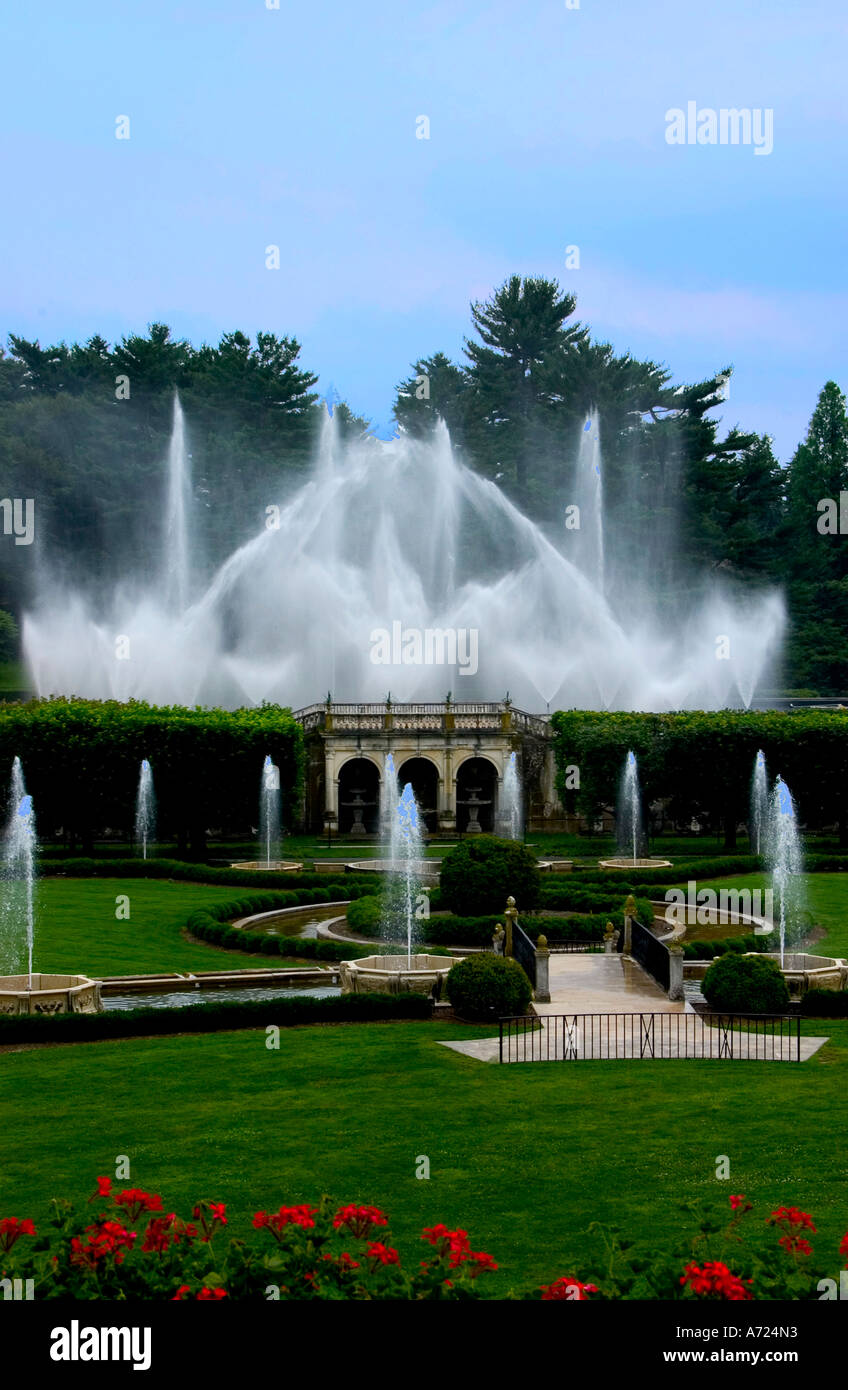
<point x="595" y="983"/>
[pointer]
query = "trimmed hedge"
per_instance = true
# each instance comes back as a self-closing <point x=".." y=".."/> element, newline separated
<point x="710" y="950"/>
<point x="346" y="886"/>
<point x="213" y="1017"/>
<point x="481" y="872"/>
<point x="627" y="880"/>
<point x="212" y="924"/>
<point x="825" y="1003"/>
<point x="488" y="986"/>
<point x="738" y="984"/>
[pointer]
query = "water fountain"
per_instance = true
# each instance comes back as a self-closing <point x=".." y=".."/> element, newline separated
<point x="145" y="809"/>
<point x="511" y="815"/>
<point x="420" y="973"/>
<point x="629" y="828"/>
<point x="786" y="860"/>
<point x="759" y="804"/>
<point x="298" y="605"/>
<point x="30" y="993"/>
<point x="270" y="831"/>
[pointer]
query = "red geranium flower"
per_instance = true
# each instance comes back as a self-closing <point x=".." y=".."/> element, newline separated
<point x="104" y="1187"/>
<point x="12" y="1228"/>
<point x="382" y="1254"/>
<point x="136" y="1201"/>
<point x="715" y="1280"/>
<point x="286" y="1216"/>
<point x="736" y="1203"/>
<point x="211" y="1295"/>
<point x="567" y="1290"/>
<point x="359" y="1220"/>
<point x="104" y="1238"/>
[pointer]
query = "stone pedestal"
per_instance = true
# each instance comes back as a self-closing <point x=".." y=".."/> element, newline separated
<point x="675" y="973"/>
<point x="543" y="957"/>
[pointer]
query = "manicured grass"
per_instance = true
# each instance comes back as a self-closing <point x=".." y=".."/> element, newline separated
<point x="77" y="930"/>
<point x="826" y="899"/>
<point x="523" y="1157"/>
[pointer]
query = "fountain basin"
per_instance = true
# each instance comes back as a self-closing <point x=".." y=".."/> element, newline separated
<point x="273" y="866"/>
<point x="50" y="994"/>
<point x="630" y="863"/>
<point x="394" y="974"/>
<point x="424" y="870"/>
<point x="803" y="971"/>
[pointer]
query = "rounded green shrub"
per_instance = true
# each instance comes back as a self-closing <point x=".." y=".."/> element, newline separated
<point x="363" y="916"/>
<point x="479" y="874"/>
<point x="737" y="984"/>
<point x="487" y="986"/>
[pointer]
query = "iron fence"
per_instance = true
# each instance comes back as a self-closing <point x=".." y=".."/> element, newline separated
<point x="651" y="954"/>
<point x="625" y="1037"/>
<point x="574" y="947"/>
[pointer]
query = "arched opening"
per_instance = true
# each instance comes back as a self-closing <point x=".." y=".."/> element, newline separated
<point x="424" y="777"/>
<point x="476" y="796"/>
<point x="359" y="798"/>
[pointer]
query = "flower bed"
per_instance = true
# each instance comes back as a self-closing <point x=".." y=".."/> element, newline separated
<point x="130" y="1247"/>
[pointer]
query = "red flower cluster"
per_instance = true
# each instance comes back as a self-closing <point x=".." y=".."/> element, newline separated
<point x="715" y="1280"/>
<point x="12" y="1228"/>
<point x="135" y="1201"/>
<point x="382" y="1254"/>
<point x="210" y="1215"/>
<point x="792" y="1221"/>
<point x="205" y="1295"/>
<point x="568" y="1290"/>
<point x="843" y="1246"/>
<point x="359" y="1220"/>
<point x="276" y="1221"/>
<point x="456" y="1245"/>
<point x="104" y="1238"/>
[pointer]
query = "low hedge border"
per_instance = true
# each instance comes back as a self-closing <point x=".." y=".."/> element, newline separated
<point x="213" y="925"/>
<point x="213" y="1017"/>
<point x="181" y="870"/>
<point x="708" y="950"/>
<point x="825" y="1003"/>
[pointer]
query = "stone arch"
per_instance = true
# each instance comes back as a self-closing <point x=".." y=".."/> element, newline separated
<point x="479" y="772"/>
<point x="358" y="779"/>
<point x="425" y="776"/>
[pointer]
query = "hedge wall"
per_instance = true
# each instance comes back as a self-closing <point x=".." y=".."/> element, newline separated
<point x="81" y="762"/>
<point x="702" y="761"/>
<point x="213" y="1017"/>
<point x="345" y="886"/>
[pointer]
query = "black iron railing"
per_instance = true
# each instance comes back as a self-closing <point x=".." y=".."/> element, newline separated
<point x="524" y="952"/>
<point x="624" y="1037"/>
<point x="651" y="954"/>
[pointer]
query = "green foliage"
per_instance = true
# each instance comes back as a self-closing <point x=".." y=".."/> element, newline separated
<point x="719" y="946"/>
<point x="364" y="916"/>
<point x="8" y="636"/>
<point x="487" y="986"/>
<point x="285" y="1012"/>
<point x="745" y="985"/>
<point x="478" y="931"/>
<point x="825" y="1003"/>
<point x="82" y="758"/>
<point x="482" y="872"/>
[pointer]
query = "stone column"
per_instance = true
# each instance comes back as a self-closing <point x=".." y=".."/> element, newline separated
<point x="675" y="973"/>
<point x="629" y="914"/>
<point x="509" y="917"/>
<point x="447" y="814"/>
<point x="543" y="958"/>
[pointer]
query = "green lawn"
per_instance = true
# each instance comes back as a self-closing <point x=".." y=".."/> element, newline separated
<point x="77" y="930"/>
<point x="523" y="1157"/>
<point x="826" y="897"/>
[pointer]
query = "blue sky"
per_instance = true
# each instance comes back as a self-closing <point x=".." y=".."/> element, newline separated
<point x="251" y="126"/>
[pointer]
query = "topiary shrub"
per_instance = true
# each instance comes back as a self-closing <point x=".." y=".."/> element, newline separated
<point x="737" y="984"/>
<point x="487" y="986"/>
<point x="481" y="873"/>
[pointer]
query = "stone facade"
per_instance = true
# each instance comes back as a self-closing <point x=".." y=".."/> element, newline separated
<point x="446" y="750"/>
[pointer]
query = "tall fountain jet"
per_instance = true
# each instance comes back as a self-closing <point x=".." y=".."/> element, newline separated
<point x="436" y="548"/>
<point x="406" y="850"/>
<point x="177" y="555"/>
<point x="19" y="852"/>
<point x="388" y="799"/>
<point x="629" y="816"/>
<point x="269" y="813"/>
<point x="759" y="804"/>
<point x="145" y="809"/>
<point x="785" y="857"/>
<point x="512" y="809"/>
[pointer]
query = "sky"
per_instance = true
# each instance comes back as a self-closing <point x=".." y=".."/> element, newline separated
<point x="252" y="126"/>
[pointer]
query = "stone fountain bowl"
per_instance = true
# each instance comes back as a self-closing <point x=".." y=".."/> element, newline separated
<point x="394" y="974"/>
<point x="49" y="994"/>
<point x="803" y="971"/>
<point x="425" y="870"/>
<point x="629" y="863"/>
<point x="274" y="866"/>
